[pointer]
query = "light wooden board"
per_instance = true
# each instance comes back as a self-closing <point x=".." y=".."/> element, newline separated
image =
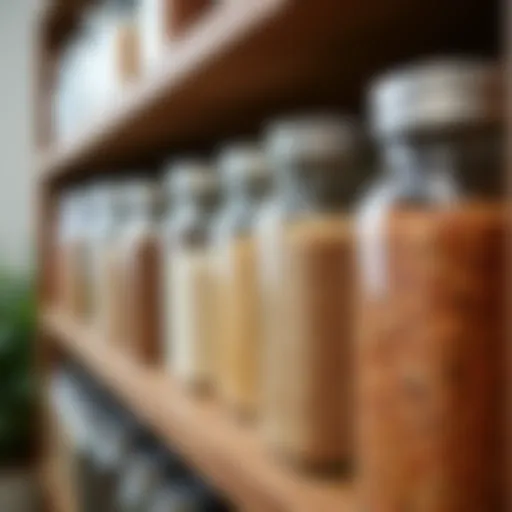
<point x="230" y="455"/>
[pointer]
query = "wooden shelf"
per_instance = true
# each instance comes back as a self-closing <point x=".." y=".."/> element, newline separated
<point x="55" y="495"/>
<point x="244" y="61"/>
<point x="231" y="456"/>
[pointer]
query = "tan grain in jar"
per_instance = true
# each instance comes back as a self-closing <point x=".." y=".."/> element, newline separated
<point x="306" y="246"/>
<point x="73" y="285"/>
<point x="239" y="346"/>
<point x="141" y="282"/>
<point x="317" y="288"/>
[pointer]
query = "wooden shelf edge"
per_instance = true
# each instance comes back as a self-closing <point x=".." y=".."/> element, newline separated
<point x="216" y="32"/>
<point x="231" y="456"/>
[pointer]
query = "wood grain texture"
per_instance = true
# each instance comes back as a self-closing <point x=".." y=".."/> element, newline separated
<point x="231" y="456"/>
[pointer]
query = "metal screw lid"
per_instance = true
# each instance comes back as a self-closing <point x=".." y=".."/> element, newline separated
<point x="312" y="137"/>
<point x="443" y="94"/>
<point x="243" y="164"/>
<point x="192" y="179"/>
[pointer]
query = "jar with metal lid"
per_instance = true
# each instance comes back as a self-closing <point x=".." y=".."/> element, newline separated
<point x="71" y="423"/>
<point x="107" y="294"/>
<point x="147" y="469"/>
<point x="306" y="244"/>
<point x="432" y="240"/>
<point x="139" y="245"/>
<point x="245" y="177"/>
<point x="71" y="254"/>
<point x="189" y="273"/>
<point x="185" y="494"/>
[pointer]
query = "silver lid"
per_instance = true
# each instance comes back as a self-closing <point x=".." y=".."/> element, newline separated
<point x="243" y="162"/>
<point x="192" y="179"/>
<point x="437" y="94"/>
<point x="312" y="136"/>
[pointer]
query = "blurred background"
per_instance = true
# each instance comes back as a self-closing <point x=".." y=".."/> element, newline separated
<point x="252" y="256"/>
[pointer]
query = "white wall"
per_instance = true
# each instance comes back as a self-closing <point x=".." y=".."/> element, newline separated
<point x="16" y="132"/>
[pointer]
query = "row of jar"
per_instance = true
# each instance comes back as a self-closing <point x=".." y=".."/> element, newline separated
<point x="115" y="44"/>
<point x="116" y="464"/>
<point x="323" y="302"/>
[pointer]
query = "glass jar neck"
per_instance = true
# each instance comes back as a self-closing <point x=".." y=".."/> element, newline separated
<point x="461" y="166"/>
<point x="319" y="186"/>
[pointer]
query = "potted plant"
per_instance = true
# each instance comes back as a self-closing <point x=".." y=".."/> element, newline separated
<point x="17" y="332"/>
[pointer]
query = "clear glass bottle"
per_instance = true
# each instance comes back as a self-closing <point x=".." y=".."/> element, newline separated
<point x="431" y="347"/>
<point x="140" y="253"/>
<point x="307" y="247"/>
<point x="190" y="280"/>
<point x="107" y="290"/>
<point x="246" y="179"/>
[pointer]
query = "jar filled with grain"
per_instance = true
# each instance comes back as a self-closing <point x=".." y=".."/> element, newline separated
<point x="245" y="178"/>
<point x="189" y="274"/>
<point x="140" y="253"/>
<point x="105" y="253"/>
<point x="306" y="246"/>
<point x="431" y="342"/>
<point x="71" y="254"/>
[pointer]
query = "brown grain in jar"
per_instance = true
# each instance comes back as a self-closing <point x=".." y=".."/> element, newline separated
<point x="141" y="273"/>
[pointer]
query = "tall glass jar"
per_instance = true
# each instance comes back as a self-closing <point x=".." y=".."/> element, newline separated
<point x="185" y="494"/>
<point x="141" y="271"/>
<point x="147" y="469"/>
<point x="245" y="176"/>
<point x="431" y="345"/>
<point x="306" y="245"/>
<point x="72" y="254"/>
<point x="189" y="280"/>
<point x="107" y="291"/>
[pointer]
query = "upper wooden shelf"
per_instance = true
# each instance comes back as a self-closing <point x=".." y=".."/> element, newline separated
<point x="244" y="61"/>
<point x="230" y="455"/>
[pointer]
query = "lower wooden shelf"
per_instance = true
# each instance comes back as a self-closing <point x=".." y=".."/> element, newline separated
<point x="230" y="455"/>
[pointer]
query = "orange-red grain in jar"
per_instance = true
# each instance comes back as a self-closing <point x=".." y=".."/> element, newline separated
<point x="431" y="339"/>
<point x="245" y="181"/>
<point x="306" y="256"/>
<point x="140" y="267"/>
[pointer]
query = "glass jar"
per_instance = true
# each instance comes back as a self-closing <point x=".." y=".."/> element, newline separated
<point x="141" y="272"/>
<point x="307" y="247"/>
<point x="72" y="254"/>
<point x="161" y="22"/>
<point x="107" y="289"/>
<point x="113" y="440"/>
<point x="431" y="347"/>
<point x="71" y="415"/>
<point x="189" y="273"/>
<point x="185" y="494"/>
<point x="111" y="53"/>
<point x="145" y="472"/>
<point x="246" y="177"/>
